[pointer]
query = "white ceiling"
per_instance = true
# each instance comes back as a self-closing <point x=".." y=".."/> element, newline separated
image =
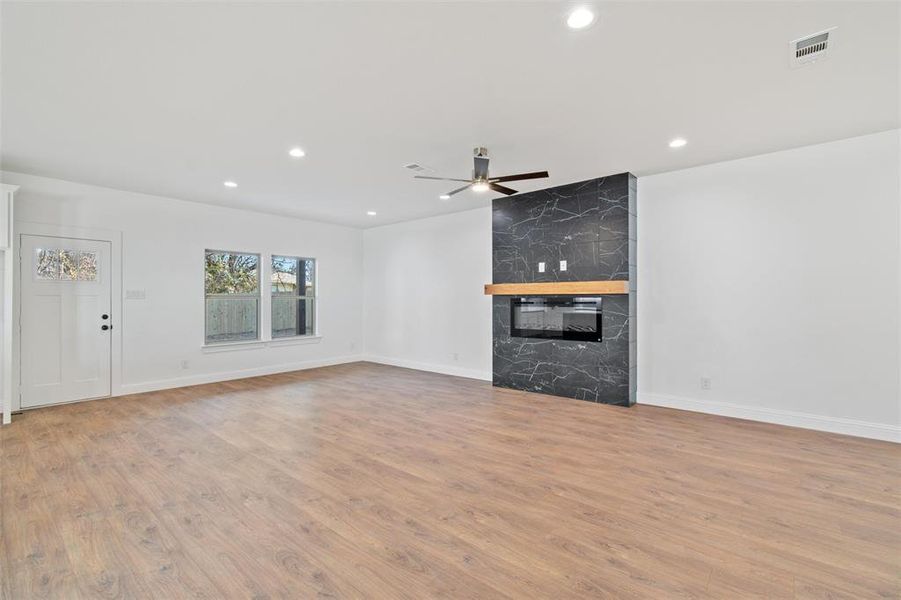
<point x="173" y="99"/>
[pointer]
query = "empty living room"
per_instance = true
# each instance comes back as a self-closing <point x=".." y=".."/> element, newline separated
<point x="399" y="299"/>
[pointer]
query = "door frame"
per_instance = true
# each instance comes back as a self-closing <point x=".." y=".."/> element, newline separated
<point x="116" y="305"/>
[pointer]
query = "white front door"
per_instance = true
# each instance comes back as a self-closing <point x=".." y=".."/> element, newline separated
<point x="66" y="320"/>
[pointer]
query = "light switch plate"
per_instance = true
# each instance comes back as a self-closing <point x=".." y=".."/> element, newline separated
<point x="541" y="267"/>
<point x="562" y="265"/>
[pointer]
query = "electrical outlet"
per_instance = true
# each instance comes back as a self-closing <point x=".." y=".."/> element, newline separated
<point x="185" y="364"/>
<point x="706" y="383"/>
<point x="541" y="267"/>
<point x="456" y="356"/>
<point x="562" y="265"/>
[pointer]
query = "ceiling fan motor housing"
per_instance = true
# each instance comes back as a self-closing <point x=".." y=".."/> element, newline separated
<point x="480" y="164"/>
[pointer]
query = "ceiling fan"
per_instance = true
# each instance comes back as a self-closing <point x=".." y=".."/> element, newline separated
<point x="480" y="181"/>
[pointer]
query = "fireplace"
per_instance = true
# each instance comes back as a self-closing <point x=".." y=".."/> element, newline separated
<point x="546" y="322"/>
<point x="556" y="317"/>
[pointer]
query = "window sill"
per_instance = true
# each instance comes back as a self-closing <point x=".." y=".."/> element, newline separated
<point x="297" y="339"/>
<point x="251" y="344"/>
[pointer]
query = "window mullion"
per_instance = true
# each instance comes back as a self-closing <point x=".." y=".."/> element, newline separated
<point x="266" y="299"/>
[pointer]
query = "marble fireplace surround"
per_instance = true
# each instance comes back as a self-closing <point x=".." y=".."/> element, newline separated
<point x="592" y="226"/>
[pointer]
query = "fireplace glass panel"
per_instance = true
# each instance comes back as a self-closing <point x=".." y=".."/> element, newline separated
<point x="564" y="318"/>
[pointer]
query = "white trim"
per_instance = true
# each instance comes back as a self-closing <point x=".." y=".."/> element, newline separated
<point x="232" y="346"/>
<point x="431" y="367"/>
<point x="251" y="344"/>
<point x="177" y="382"/>
<point x="117" y="307"/>
<point x="8" y="302"/>
<point x="866" y="429"/>
<point x="10" y="381"/>
<point x="295" y="340"/>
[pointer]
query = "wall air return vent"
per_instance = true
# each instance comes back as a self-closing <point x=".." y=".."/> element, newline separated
<point x="811" y="48"/>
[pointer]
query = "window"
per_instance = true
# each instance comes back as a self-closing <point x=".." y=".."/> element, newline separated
<point x="232" y="282"/>
<point x="293" y="296"/>
<point x="56" y="264"/>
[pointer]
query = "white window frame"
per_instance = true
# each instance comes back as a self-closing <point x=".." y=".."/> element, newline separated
<point x="259" y="296"/>
<point x="265" y="338"/>
<point x="314" y="298"/>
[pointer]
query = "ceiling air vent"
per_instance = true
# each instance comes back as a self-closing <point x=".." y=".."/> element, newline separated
<point x="810" y="48"/>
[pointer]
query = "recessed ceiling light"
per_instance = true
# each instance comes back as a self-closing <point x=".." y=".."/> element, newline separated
<point x="371" y="213"/>
<point x="297" y="152"/>
<point x="230" y="184"/>
<point x="677" y="143"/>
<point x="444" y="196"/>
<point x="580" y="18"/>
<point x="480" y="186"/>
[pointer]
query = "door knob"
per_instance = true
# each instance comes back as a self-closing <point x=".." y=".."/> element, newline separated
<point x="104" y="317"/>
<point x="104" y="327"/>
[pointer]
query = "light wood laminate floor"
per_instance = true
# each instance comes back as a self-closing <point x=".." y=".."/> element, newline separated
<point x="369" y="481"/>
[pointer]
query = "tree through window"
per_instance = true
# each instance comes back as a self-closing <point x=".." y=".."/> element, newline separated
<point x="232" y="286"/>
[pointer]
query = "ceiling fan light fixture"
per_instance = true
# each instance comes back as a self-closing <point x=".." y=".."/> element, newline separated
<point x="580" y="18"/>
<point x="481" y="181"/>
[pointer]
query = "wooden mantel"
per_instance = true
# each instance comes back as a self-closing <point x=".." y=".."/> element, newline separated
<point x="553" y="288"/>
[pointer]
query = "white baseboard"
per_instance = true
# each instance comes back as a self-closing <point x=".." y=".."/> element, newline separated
<point x="866" y="429"/>
<point x="431" y="367"/>
<point x="165" y="384"/>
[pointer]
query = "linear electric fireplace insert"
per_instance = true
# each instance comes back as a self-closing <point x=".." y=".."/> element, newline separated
<point x="556" y="317"/>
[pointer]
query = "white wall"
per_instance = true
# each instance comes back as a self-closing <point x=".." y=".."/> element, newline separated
<point x="777" y="277"/>
<point x="424" y="301"/>
<point x="163" y="244"/>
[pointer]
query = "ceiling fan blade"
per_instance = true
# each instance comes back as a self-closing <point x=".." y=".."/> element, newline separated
<point x="458" y="190"/>
<point x="501" y="189"/>
<point x="521" y="176"/>
<point x="438" y="178"/>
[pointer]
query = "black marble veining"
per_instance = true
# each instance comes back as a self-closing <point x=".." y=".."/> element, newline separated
<point x="591" y="225"/>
